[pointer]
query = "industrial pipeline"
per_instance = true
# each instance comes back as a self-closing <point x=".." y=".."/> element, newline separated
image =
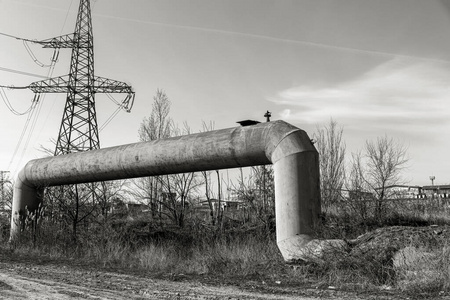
<point x="294" y="157"/>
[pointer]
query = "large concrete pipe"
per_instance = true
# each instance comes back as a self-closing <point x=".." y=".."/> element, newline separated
<point x="289" y="149"/>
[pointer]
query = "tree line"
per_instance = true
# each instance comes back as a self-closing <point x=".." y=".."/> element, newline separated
<point x="366" y="176"/>
<point x="169" y="199"/>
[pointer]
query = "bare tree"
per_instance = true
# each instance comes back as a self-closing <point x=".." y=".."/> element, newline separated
<point x="6" y="194"/>
<point x="177" y="190"/>
<point x="69" y="205"/>
<point x="181" y="185"/>
<point x="6" y="188"/>
<point x="386" y="158"/>
<point x="360" y="199"/>
<point x="257" y="191"/>
<point x="166" y="195"/>
<point x="331" y="150"/>
<point x="208" y="182"/>
<point x="158" y="125"/>
<point x="264" y="188"/>
<point x="107" y="193"/>
<point x="245" y="191"/>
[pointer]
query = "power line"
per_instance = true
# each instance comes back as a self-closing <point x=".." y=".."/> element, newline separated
<point x="124" y="105"/>
<point x="21" y="73"/>
<point x="20" y="38"/>
<point x="33" y="114"/>
<point x="3" y="94"/>
<point x="114" y="114"/>
<point x="37" y="101"/>
<point x="40" y="104"/>
<point x="22" y="134"/>
<point x="9" y="106"/>
<point x="36" y="61"/>
<point x="14" y="37"/>
<point x="32" y="117"/>
<point x="67" y="14"/>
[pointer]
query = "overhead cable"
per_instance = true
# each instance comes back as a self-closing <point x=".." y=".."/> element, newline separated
<point x="35" y="116"/>
<point x="34" y="103"/>
<point x="9" y="106"/>
<point x="21" y="72"/>
<point x="31" y="120"/>
<point x="18" y="38"/>
<point x="34" y="58"/>
<point x="111" y="117"/>
<point x="114" y="114"/>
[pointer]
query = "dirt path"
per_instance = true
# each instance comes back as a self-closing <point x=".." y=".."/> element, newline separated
<point x="32" y="284"/>
<point x="22" y="278"/>
<point x="19" y="287"/>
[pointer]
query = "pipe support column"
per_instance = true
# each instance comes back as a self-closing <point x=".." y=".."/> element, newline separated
<point x="296" y="182"/>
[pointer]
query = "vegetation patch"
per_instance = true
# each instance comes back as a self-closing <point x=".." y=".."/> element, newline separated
<point x="408" y="259"/>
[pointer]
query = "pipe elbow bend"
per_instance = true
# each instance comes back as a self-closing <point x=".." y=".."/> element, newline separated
<point x="285" y="139"/>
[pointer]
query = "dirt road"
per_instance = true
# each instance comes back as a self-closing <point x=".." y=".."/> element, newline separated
<point x="20" y="287"/>
<point x="26" y="279"/>
<point x="31" y="284"/>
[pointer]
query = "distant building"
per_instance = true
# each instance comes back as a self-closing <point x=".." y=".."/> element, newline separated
<point x="403" y="191"/>
<point x="225" y="205"/>
<point x="356" y="195"/>
<point x="436" y="191"/>
<point x="391" y="192"/>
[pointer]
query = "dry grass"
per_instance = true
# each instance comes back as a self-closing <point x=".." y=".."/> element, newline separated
<point x="181" y="251"/>
<point x="237" y="253"/>
<point x="423" y="271"/>
<point x="421" y="225"/>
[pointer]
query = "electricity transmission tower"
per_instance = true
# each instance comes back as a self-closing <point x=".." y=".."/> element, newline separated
<point x="79" y="130"/>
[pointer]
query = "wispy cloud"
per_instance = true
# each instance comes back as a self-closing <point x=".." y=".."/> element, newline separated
<point x="400" y="94"/>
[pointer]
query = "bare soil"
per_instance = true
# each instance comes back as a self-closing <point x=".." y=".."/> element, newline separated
<point x="23" y="277"/>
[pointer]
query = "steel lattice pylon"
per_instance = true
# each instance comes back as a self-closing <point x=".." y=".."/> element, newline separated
<point x="79" y="130"/>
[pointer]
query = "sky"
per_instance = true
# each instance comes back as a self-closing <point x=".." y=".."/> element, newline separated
<point x="377" y="68"/>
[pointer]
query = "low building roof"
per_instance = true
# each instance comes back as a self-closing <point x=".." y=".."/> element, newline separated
<point x="437" y="187"/>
